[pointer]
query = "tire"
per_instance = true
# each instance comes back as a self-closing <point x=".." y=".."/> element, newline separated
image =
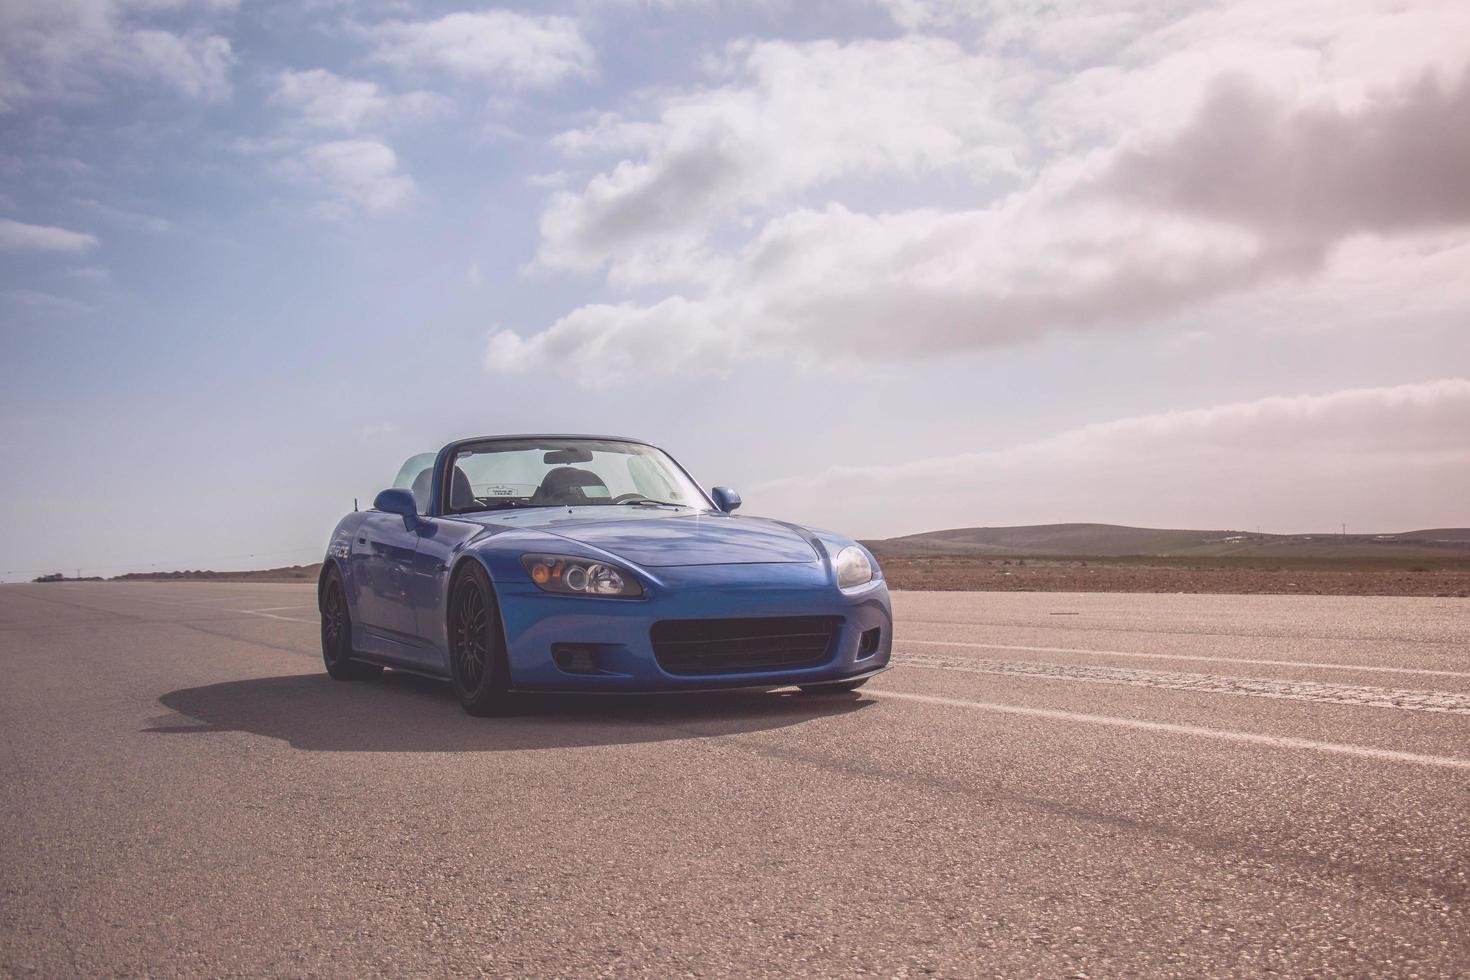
<point x="337" y="634"/>
<point x="840" y="687"/>
<point x="478" y="666"/>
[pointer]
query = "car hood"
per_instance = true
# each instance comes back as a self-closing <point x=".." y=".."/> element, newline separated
<point x="663" y="539"/>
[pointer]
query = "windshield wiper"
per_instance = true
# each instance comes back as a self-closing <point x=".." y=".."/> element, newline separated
<point x="646" y="502"/>
<point x="507" y="505"/>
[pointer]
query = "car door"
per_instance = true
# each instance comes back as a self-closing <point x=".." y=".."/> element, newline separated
<point x="383" y="551"/>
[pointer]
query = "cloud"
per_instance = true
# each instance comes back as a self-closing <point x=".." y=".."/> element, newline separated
<point x="94" y="274"/>
<point x="518" y="50"/>
<point x="604" y="343"/>
<point x="325" y="100"/>
<point x="356" y="174"/>
<point x="46" y="302"/>
<point x="793" y="116"/>
<point x="1379" y="458"/>
<point x="834" y="285"/>
<point x="1316" y="173"/>
<point x="197" y="65"/>
<point x="16" y="236"/>
<point x="127" y="216"/>
<point x="914" y="197"/>
<point x="73" y="51"/>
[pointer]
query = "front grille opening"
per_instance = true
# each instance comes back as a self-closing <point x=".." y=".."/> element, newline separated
<point x="868" y="642"/>
<point x="738" y="646"/>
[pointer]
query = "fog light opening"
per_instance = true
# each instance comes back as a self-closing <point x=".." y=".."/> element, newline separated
<point x="576" y="658"/>
<point x="868" y="642"/>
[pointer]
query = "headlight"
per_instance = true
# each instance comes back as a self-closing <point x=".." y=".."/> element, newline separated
<point x="579" y="576"/>
<point x="853" y="567"/>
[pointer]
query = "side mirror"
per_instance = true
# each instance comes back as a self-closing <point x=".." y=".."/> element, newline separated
<point x="726" y="499"/>
<point x="400" y="501"/>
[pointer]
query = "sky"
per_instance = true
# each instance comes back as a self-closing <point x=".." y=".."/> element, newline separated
<point x="884" y="266"/>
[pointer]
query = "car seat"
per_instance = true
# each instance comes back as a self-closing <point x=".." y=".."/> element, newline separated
<point x="569" y="485"/>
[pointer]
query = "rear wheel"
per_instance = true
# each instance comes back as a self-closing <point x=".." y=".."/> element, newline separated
<point x="477" y="661"/>
<point x="841" y="687"/>
<point x="337" y="634"/>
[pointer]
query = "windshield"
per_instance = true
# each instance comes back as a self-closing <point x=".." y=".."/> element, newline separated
<point x="567" y="473"/>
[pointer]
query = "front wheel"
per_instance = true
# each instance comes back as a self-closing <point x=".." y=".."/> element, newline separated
<point x="477" y="662"/>
<point x="337" y="634"/>
<point x="840" y="687"/>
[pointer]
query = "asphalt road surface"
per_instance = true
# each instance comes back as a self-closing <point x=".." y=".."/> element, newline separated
<point x="1046" y="784"/>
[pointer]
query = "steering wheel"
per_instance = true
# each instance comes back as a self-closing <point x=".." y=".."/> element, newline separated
<point x="624" y="498"/>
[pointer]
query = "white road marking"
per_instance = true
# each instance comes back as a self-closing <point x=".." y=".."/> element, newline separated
<point x="299" y="605"/>
<point x="266" y="615"/>
<point x="1220" y="734"/>
<point x="1172" y="631"/>
<point x="195" y="604"/>
<point x="1259" y="687"/>
<point x="1185" y="656"/>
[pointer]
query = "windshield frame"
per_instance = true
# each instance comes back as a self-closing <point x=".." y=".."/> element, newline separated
<point x="449" y="454"/>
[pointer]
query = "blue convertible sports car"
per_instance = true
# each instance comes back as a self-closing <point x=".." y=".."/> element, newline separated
<point x="591" y="564"/>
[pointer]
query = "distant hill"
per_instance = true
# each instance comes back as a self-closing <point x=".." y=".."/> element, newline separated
<point x="1113" y="540"/>
<point x="288" y="573"/>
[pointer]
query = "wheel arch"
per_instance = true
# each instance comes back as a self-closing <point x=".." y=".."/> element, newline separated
<point x="461" y="564"/>
<point x="328" y="566"/>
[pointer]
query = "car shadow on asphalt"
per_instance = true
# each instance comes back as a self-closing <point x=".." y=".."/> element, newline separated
<point x="400" y="712"/>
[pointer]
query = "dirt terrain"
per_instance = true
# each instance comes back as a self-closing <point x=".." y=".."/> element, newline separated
<point x="967" y="573"/>
<point x="290" y="573"/>
<point x="1193" y="575"/>
<point x="1121" y="541"/>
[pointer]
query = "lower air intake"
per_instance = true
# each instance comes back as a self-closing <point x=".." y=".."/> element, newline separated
<point x="740" y="646"/>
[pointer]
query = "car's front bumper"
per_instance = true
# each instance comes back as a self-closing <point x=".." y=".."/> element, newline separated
<point x="617" y="631"/>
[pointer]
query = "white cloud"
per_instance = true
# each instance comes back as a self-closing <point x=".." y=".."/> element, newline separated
<point x="46" y="302"/>
<point x="16" y="236"/>
<point x="126" y="216"/>
<point x="794" y="116"/>
<point x="603" y="343"/>
<point x="197" y="65"/>
<point x="1207" y="151"/>
<point x="72" y="51"/>
<point x="821" y="285"/>
<point x="1378" y="458"/>
<point x="94" y="274"/>
<point x="518" y="50"/>
<point x="326" y="100"/>
<point x="356" y="174"/>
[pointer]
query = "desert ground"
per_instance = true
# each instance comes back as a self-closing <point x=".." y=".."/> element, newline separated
<point x="968" y="573"/>
<point x="1360" y="577"/>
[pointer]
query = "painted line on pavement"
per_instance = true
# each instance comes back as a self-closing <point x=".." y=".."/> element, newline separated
<point x="1260" y="687"/>
<point x="1184" y="656"/>
<point x="227" y="609"/>
<point x="1219" y="734"/>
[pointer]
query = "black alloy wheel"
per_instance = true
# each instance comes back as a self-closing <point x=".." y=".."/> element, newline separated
<point x="337" y="634"/>
<point x="477" y="661"/>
